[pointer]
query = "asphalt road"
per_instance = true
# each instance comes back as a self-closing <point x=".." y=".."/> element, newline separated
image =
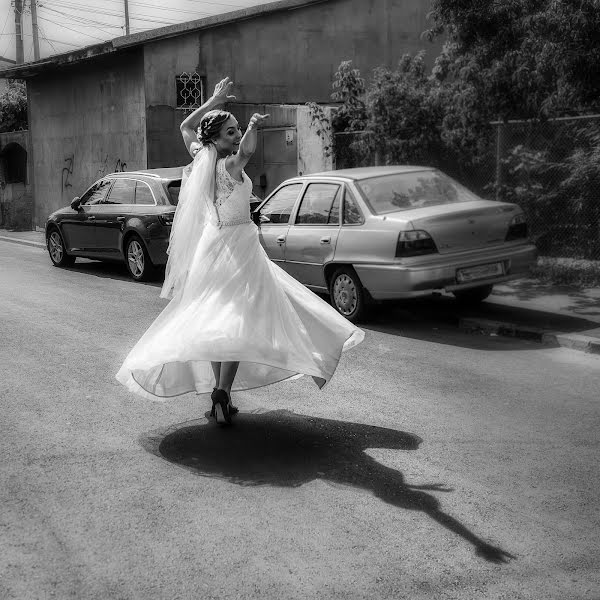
<point x="436" y="464"/>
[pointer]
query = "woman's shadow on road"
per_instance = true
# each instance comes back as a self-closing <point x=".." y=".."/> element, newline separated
<point x="281" y="448"/>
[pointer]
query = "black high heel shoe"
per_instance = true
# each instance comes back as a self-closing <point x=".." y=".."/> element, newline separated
<point x="233" y="410"/>
<point x="221" y="407"/>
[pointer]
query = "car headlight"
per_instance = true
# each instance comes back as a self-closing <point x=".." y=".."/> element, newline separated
<point x="517" y="228"/>
<point x="414" y="243"/>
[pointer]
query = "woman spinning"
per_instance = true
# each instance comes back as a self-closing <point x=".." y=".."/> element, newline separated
<point x="234" y="315"/>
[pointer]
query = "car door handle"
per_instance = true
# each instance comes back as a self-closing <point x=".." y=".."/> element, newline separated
<point x="121" y="219"/>
<point x="326" y="240"/>
<point x="281" y="239"/>
<point x="91" y="219"/>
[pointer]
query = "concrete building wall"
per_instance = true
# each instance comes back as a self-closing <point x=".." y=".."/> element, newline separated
<point x="291" y="56"/>
<point x="286" y="57"/>
<point x="86" y="120"/>
<point x="163" y="61"/>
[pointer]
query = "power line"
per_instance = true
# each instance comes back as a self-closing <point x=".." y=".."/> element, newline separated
<point x="1" y="34"/>
<point x="140" y="17"/>
<point x="70" y="29"/>
<point x="146" y="5"/>
<point x="83" y="22"/>
<point x="47" y="40"/>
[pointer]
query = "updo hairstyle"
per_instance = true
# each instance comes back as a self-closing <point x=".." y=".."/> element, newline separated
<point x="210" y="125"/>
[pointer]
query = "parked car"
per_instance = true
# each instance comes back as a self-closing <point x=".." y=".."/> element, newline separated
<point x="124" y="217"/>
<point x="389" y="233"/>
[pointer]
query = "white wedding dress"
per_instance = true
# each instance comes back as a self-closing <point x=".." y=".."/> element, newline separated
<point x="236" y="305"/>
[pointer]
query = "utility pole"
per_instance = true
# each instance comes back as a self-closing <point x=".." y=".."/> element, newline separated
<point x="126" y="17"/>
<point x="19" y="30"/>
<point x="34" y="29"/>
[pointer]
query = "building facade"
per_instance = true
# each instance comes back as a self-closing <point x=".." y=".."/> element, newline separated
<point x="118" y="105"/>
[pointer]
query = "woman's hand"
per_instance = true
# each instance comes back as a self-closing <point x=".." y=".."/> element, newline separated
<point x="221" y="94"/>
<point x="256" y="120"/>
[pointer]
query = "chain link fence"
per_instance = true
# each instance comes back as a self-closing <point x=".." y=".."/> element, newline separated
<point x="551" y="169"/>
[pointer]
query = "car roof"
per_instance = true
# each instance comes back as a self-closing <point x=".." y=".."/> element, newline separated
<point x="166" y="173"/>
<point x="358" y="173"/>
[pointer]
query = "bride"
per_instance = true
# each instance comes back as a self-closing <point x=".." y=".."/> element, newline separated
<point x="234" y="316"/>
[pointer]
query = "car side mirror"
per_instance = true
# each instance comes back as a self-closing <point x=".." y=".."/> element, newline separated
<point x="76" y="203"/>
<point x="263" y="219"/>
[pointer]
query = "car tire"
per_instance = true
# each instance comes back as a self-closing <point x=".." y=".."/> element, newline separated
<point x="137" y="259"/>
<point x="347" y="294"/>
<point x="474" y="295"/>
<point x="57" y="251"/>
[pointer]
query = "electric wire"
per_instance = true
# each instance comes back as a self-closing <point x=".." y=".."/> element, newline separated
<point x="83" y="22"/>
<point x="70" y="29"/>
<point x="154" y="7"/>
<point x="1" y="34"/>
<point x="41" y="31"/>
<point x="139" y="17"/>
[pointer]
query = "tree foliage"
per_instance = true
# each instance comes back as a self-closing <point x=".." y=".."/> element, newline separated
<point x="349" y="89"/>
<point x="520" y="58"/>
<point x="405" y="112"/>
<point x="13" y="107"/>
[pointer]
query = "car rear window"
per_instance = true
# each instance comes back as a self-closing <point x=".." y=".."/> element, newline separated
<point x="416" y="189"/>
<point x="173" y="189"/>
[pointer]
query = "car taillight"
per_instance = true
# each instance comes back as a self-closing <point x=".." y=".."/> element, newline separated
<point x="517" y="229"/>
<point x="166" y="219"/>
<point x="414" y="243"/>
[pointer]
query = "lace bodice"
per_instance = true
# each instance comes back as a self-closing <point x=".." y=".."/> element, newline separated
<point x="232" y="197"/>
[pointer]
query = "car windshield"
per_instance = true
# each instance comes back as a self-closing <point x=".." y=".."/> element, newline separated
<point x="174" y="188"/>
<point x="416" y="189"/>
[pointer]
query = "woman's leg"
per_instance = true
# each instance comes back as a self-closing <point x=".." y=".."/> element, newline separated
<point x="227" y="375"/>
<point x="216" y="367"/>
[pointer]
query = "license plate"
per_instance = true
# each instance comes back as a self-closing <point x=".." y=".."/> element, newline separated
<point x="479" y="272"/>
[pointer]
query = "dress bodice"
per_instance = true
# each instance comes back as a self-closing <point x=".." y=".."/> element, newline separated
<point x="232" y="196"/>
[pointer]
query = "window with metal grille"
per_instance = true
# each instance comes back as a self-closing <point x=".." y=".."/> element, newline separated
<point x="191" y="90"/>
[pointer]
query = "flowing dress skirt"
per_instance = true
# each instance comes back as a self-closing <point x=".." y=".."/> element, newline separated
<point x="237" y="305"/>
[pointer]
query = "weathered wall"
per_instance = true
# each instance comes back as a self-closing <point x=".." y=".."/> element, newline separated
<point x="16" y="199"/>
<point x="163" y="61"/>
<point x="85" y="121"/>
<point x="287" y="57"/>
<point x="291" y="56"/>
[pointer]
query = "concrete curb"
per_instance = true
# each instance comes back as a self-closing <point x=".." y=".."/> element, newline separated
<point x="574" y="341"/>
<point x="22" y="241"/>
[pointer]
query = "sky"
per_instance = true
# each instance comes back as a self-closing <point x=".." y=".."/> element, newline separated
<point x="66" y="25"/>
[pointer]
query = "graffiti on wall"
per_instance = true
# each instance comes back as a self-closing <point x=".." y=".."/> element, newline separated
<point x="67" y="172"/>
<point x="120" y="166"/>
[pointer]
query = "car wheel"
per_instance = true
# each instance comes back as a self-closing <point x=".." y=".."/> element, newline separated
<point x="56" y="250"/>
<point x="138" y="261"/>
<point x="473" y="295"/>
<point x="347" y="294"/>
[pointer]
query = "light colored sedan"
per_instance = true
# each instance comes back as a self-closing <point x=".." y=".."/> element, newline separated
<point x="390" y="233"/>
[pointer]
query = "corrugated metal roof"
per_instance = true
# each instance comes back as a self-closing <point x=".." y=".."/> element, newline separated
<point x="31" y="69"/>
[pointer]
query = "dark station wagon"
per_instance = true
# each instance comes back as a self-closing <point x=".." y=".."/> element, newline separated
<point x="123" y="217"/>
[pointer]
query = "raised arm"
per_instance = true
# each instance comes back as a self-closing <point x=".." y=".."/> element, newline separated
<point x="236" y="162"/>
<point x="190" y="124"/>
